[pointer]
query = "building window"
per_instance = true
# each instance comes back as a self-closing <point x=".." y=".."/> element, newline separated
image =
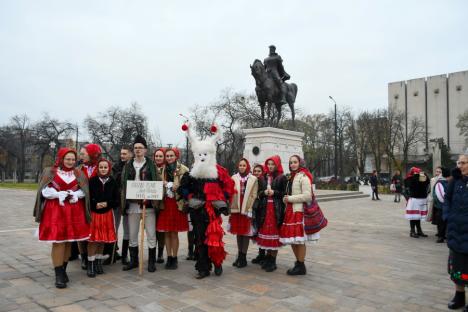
<point x="458" y="88"/>
<point x="396" y="96"/>
<point x="416" y="93"/>
<point x="436" y="91"/>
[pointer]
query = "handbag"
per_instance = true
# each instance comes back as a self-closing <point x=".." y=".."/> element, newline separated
<point x="392" y="187"/>
<point x="314" y="220"/>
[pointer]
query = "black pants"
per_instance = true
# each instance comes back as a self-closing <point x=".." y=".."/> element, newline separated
<point x="415" y="225"/>
<point x="375" y="190"/>
<point x="200" y="222"/>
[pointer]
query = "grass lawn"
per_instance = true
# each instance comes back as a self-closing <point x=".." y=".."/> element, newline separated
<point x="22" y="186"/>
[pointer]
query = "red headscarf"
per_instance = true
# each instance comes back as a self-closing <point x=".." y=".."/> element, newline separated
<point x="175" y="150"/>
<point x="302" y="168"/>
<point x="163" y="150"/>
<point x="63" y="151"/>
<point x="94" y="152"/>
<point x="247" y="170"/>
<point x="413" y="171"/>
<point x="279" y="168"/>
<point x="108" y="172"/>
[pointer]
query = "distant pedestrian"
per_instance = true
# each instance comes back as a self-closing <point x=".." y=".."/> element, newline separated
<point x="439" y="184"/>
<point x="397" y="185"/>
<point x="455" y="213"/>
<point x="417" y="184"/>
<point x="374" y="182"/>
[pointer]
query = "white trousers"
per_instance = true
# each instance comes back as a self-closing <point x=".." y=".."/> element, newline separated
<point x="150" y="227"/>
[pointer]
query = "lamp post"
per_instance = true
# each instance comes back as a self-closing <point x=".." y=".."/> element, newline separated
<point x="336" y="140"/>
<point x="52" y="145"/>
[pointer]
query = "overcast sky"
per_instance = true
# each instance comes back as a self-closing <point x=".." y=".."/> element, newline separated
<point x="74" y="58"/>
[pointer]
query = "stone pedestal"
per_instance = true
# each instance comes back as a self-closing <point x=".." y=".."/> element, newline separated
<point x="262" y="143"/>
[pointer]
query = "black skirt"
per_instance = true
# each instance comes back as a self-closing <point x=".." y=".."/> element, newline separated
<point x="458" y="268"/>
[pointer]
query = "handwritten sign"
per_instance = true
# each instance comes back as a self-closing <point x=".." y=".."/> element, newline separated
<point x="152" y="190"/>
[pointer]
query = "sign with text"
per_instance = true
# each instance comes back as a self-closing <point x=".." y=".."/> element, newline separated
<point x="152" y="190"/>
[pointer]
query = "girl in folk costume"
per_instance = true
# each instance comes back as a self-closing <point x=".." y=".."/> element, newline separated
<point x="62" y="210"/>
<point x="298" y="192"/>
<point x="258" y="171"/>
<point x="240" y="221"/>
<point x="208" y="189"/>
<point x="104" y="197"/>
<point x="417" y="186"/>
<point x="271" y="211"/>
<point x="172" y="219"/>
<point x="159" y="158"/>
<point x="89" y="156"/>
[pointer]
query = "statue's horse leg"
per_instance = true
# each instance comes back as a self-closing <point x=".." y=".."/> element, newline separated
<point x="278" y="113"/>
<point x="291" y="99"/>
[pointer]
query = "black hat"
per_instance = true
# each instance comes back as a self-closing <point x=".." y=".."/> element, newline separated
<point x="272" y="47"/>
<point x="140" y="139"/>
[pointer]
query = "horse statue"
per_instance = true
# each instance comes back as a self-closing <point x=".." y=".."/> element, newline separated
<point x="268" y="92"/>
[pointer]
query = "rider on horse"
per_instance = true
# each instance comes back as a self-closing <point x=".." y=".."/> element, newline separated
<point x="274" y="67"/>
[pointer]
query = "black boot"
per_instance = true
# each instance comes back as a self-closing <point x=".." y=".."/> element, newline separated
<point x="133" y="263"/>
<point x="202" y="274"/>
<point x="91" y="270"/>
<point x="65" y="275"/>
<point x="218" y="270"/>
<point x="413" y="234"/>
<point x="299" y="269"/>
<point x="168" y="263"/>
<point x="59" y="277"/>
<point x="242" y="260"/>
<point x="84" y="261"/>
<point x="160" y="255"/>
<point x="236" y="262"/>
<point x="108" y="249"/>
<point x="125" y="251"/>
<point x="260" y="258"/>
<point x="421" y="234"/>
<point x="151" y="259"/>
<point x="266" y="261"/>
<point x="272" y="265"/>
<point x="175" y="263"/>
<point x="458" y="301"/>
<point x="99" y="268"/>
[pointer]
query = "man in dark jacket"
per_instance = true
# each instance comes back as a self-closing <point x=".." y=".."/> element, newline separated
<point x="374" y="182"/>
<point x="455" y="209"/>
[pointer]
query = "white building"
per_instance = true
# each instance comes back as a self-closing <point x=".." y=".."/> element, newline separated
<point x="438" y="100"/>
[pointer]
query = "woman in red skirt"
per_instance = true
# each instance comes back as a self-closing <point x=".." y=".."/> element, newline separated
<point x="159" y="158"/>
<point x="298" y="192"/>
<point x="172" y="219"/>
<point x="104" y="197"/>
<point x="240" y="221"/>
<point x="270" y="213"/>
<point x="62" y="210"/>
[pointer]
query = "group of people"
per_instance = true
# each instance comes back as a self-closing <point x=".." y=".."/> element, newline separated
<point x="443" y="200"/>
<point x="85" y="201"/>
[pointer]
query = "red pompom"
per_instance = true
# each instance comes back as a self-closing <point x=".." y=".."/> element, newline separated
<point x="213" y="129"/>
<point x="184" y="127"/>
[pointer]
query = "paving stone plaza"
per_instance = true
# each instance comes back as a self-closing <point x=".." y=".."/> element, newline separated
<point x="365" y="261"/>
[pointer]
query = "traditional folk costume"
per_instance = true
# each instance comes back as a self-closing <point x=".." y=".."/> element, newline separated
<point x="240" y="220"/>
<point x="172" y="217"/>
<point x="292" y="232"/>
<point x="140" y="171"/>
<point x="207" y="188"/>
<point x="62" y="211"/>
<point x="160" y="235"/>
<point x="271" y="212"/>
<point x="90" y="170"/>
<point x="417" y="186"/>
<point x="103" y="189"/>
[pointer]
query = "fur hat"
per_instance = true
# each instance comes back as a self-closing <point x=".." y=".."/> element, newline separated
<point x="141" y="140"/>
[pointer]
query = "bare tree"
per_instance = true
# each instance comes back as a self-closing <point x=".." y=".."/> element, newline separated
<point x="462" y="124"/>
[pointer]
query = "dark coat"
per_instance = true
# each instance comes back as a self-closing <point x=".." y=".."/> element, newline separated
<point x="455" y="209"/>
<point x="279" y="187"/>
<point x="415" y="188"/>
<point x="397" y="181"/>
<point x="374" y="181"/>
<point x="108" y="192"/>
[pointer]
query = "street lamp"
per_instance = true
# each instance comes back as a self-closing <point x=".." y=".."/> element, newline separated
<point x="336" y="140"/>
<point x="52" y="145"/>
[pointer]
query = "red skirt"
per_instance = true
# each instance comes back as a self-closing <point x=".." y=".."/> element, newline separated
<point x="102" y="227"/>
<point x="292" y="229"/>
<point x="63" y="223"/>
<point x="240" y="224"/>
<point x="268" y="234"/>
<point x="170" y="219"/>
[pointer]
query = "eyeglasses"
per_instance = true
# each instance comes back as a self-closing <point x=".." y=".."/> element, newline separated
<point x="462" y="162"/>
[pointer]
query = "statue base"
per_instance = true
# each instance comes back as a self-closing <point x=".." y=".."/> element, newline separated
<point x="262" y="143"/>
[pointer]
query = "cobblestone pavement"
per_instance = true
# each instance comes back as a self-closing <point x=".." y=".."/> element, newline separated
<point x="365" y="261"/>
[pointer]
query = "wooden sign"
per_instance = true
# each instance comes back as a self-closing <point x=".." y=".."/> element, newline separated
<point x="151" y="190"/>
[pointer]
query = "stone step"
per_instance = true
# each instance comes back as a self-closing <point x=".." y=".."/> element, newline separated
<point x="337" y="194"/>
<point x="341" y="197"/>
